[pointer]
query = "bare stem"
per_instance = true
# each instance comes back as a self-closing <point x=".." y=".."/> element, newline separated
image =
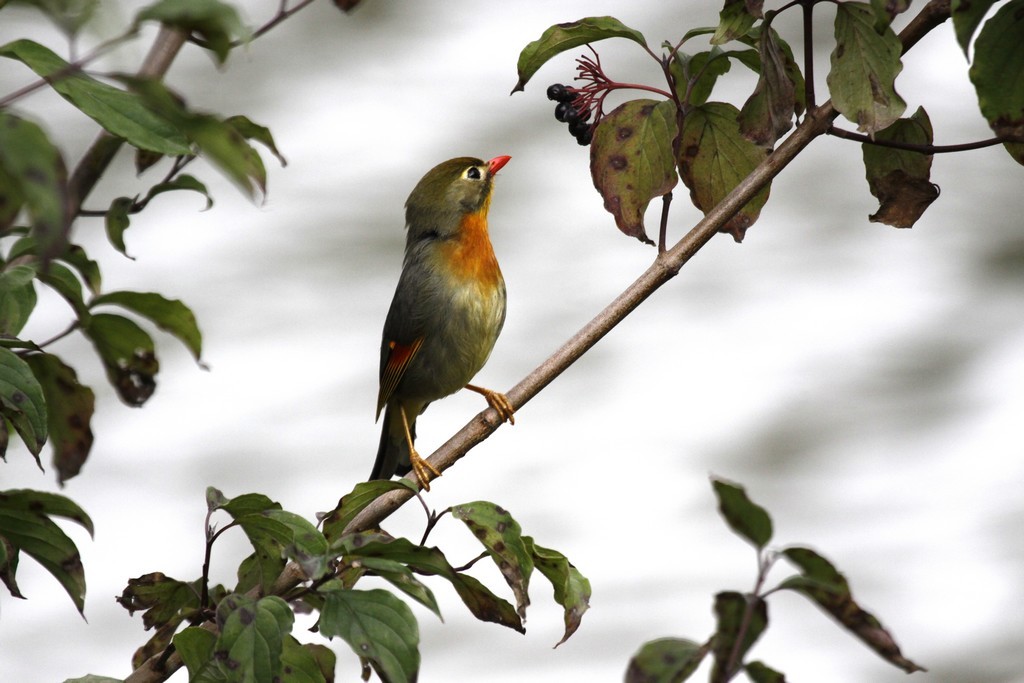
<point x="921" y="149"/>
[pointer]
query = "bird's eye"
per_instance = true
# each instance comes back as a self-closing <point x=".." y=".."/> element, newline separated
<point x="473" y="173"/>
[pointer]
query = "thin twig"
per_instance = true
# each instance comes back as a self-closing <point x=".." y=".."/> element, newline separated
<point x="921" y="149"/>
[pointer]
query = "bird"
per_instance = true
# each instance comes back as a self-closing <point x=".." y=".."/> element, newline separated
<point x="447" y="311"/>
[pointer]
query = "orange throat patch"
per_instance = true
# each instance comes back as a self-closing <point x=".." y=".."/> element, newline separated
<point x="471" y="256"/>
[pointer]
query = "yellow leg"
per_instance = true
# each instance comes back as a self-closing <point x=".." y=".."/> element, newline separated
<point x="420" y="467"/>
<point x="498" y="401"/>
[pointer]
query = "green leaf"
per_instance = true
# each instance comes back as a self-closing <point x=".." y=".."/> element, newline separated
<point x="127" y="353"/>
<point x="120" y="113"/>
<point x="759" y="672"/>
<point x="196" y="647"/>
<point x="94" y="679"/>
<point x="351" y="504"/>
<point x="736" y="612"/>
<point x="865" y="64"/>
<point x="735" y="20"/>
<point x="22" y="401"/>
<point x="561" y="37"/>
<point x="9" y="566"/>
<point x="695" y="76"/>
<point x="572" y="589"/>
<point x="269" y="537"/>
<point x="69" y="15"/>
<point x="900" y="178"/>
<point x="824" y="585"/>
<point x="218" y="142"/>
<point x="886" y="10"/>
<point x="483" y="604"/>
<point x="306" y="663"/>
<point x="63" y="281"/>
<point x="306" y="544"/>
<point x="44" y="503"/>
<point x="216" y="22"/>
<point x="631" y="160"/>
<point x="117" y="222"/>
<point x="88" y="269"/>
<point x="70" y="408"/>
<point x="181" y="182"/>
<point x="36" y="535"/>
<point x="402" y="578"/>
<point x="500" y="534"/>
<point x="746" y="518"/>
<point x="665" y="660"/>
<point x="164" y="601"/>
<point x="379" y="628"/>
<point x="16" y="304"/>
<point x="252" y="634"/>
<point x="254" y="131"/>
<point x="170" y="315"/>
<point x="998" y="74"/>
<point x="35" y="176"/>
<point x="768" y="113"/>
<point x="967" y="17"/>
<point x="715" y="157"/>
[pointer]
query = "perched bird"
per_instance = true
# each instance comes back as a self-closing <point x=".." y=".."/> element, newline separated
<point x="447" y="311"/>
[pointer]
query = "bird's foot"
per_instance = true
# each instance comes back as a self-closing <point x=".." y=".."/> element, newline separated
<point x="422" y="469"/>
<point x="498" y="401"/>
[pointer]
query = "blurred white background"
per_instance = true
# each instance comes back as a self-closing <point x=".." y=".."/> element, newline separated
<point x="865" y="384"/>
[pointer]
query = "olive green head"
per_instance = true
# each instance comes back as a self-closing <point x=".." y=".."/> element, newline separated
<point x="448" y="192"/>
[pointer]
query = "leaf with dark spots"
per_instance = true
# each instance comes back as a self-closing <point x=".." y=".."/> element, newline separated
<point x="26" y="526"/>
<point x="745" y="517"/>
<point x="163" y="600"/>
<point x="998" y="74"/>
<point x="561" y="37"/>
<point x="572" y="589"/>
<point x="900" y="178"/>
<point x="34" y="176"/>
<point x="824" y="585"/>
<point x="252" y="633"/>
<point x="22" y="401"/>
<point x="865" y="63"/>
<point x="715" y="157"/>
<point x="70" y="407"/>
<point x="768" y="113"/>
<point x="665" y="659"/>
<point x="631" y="161"/>
<point x="483" y="604"/>
<point x="500" y="534"/>
<point x="735" y="20"/>
<point x="378" y="627"/>
<point x="128" y="356"/>
<point x="741" y="619"/>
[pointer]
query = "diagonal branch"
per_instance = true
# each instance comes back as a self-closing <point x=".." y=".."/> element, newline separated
<point x="665" y="267"/>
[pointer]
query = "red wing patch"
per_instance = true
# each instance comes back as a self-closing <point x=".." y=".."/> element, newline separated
<point x="399" y="357"/>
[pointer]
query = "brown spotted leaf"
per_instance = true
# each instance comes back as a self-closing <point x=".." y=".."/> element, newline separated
<point x="998" y="74"/>
<point x="665" y="659"/>
<point x="501" y="535"/>
<point x="715" y="157"/>
<point x="70" y="408"/>
<point x="865" y="63"/>
<point x="768" y="114"/>
<point x="824" y="585"/>
<point x="631" y="161"/>
<point x="900" y="178"/>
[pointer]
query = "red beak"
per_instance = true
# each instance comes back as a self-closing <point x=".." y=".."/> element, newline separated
<point x="496" y="164"/>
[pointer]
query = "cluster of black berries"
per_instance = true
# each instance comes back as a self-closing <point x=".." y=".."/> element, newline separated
<point x="565" y="112"/>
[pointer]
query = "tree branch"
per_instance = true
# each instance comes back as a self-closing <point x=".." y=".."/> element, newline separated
<point x="665" y="267"/>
